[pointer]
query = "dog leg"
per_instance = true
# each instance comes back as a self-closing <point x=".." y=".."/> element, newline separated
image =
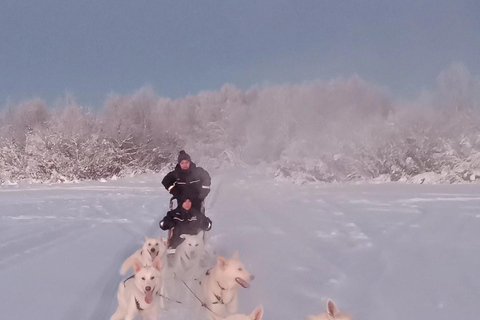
<point x="131" y="315"/>
<point x="152" y="314"/>
<point x="127" y="264"/>
<point x="163" y="295"/>
<point x="119" y="314"/>
<point x="132" y="310"/>
<point x="232" y="306"/>
<point x="218" y="309"/>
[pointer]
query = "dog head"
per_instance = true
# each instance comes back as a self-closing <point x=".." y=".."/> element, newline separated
<point x="232" y="272"/>
<point x="257" y="314"/>
<point x="147" y="279"/>
<point x="333" y="313"/>
<point x="193" y="245"/>
<point x="154" y="246"/>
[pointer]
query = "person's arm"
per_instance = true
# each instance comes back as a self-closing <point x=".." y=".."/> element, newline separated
<point x="169" y="183"/>
<point x="205" y="222"/>
<point x="206" y="181"/>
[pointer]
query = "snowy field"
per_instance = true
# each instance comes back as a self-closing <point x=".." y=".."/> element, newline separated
<point x="380" y="251"/>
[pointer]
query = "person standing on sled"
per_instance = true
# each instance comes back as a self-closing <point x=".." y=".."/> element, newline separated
<point x="188" y="180"/>
<point x="185" y="219"/>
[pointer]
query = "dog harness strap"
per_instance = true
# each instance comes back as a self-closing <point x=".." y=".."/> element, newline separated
<point x="165" y="297"/>
<point x="127" y="280"/>
<point x="219" y="299"/>
<point x="221" y="288"/>
<point x="138" y="305"/>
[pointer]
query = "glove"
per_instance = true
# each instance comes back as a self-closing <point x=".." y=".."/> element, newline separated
<point x="165" y="224"/>
<point x="207" y="225"/>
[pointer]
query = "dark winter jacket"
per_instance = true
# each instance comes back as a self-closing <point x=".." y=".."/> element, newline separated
<point x="184" y="222"/>
<point x="193" y="184"/>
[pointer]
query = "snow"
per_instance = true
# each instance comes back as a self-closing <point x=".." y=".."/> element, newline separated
<point x="379" y="250"/>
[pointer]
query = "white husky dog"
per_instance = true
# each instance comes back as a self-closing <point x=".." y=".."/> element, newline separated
<point x="185" y="266"/>
<point x="219" y="286"/>
<point x="333" y="313"/>
<point x="186" y="260"/>
<point x="152" y="247"/>
<point x="257" y="314"/>
<point x="137" y="295"/>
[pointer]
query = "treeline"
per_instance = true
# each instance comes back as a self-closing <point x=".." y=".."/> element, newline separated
<point x="337" y="131"/>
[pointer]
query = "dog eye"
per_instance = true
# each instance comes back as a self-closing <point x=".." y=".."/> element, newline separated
<point x="151" y="278"/>
<point x="196" y="245"/>
<point x="143" y="278"/>
<point x="240" y="269"/>
<point x="149" y="244"/>
<point x="190" y="244"/>
<point x="156" y="244"/>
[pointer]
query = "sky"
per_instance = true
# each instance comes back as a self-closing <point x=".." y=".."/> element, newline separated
<point x="93" y="49"/>
<point x="389" y="251"/>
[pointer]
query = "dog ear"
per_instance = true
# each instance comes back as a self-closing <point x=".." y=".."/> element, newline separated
<point x="157" y="263"/>
<point x="235" y="255"/>
<point x="200" y="234"/>
<point x="146" y="238"/>
<point x="332" y="309"/>
<point x="222" y="262"/>
<point x="160" y="238"/>
<point x="137" y="266"/>
<point x="257" y="314"/>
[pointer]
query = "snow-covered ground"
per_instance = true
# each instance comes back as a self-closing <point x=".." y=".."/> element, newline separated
<point x="380" y="251"/>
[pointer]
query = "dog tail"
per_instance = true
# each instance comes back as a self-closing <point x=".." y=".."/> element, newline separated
<point x="127" y="264"/>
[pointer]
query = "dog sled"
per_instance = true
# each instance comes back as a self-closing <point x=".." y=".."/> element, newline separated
<point x="171" y="251"/>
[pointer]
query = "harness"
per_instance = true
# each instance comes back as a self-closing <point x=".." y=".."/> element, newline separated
<point x="138" y="305"/>
<point x="182" y="261"/>
<point x="219" y="297"/>
<point x="203" y="303"/>
<point x="131" y="277"/>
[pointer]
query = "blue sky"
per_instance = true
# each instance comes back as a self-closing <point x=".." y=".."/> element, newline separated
<point x="95" y="48"/>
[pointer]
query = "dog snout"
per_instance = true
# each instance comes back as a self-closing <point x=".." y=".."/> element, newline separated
<point x="153" y="249"/>
<point x="148" y="288"/>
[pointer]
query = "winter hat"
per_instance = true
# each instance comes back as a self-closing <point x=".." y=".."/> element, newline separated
<point x="183" y="156"/>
